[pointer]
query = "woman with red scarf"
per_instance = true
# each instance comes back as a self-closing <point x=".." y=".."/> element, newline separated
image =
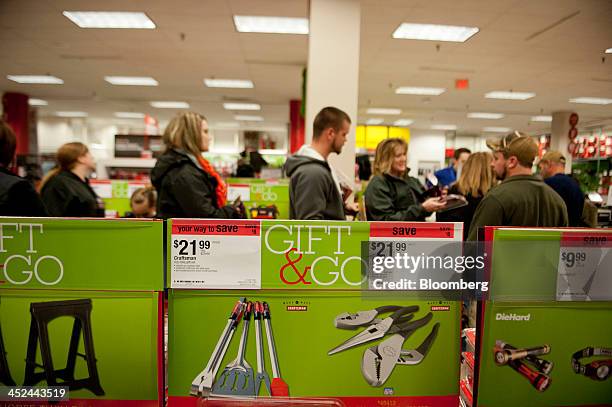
<point x="188" y="186"/>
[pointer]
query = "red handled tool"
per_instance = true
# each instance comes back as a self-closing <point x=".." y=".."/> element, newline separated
<point x="278" y="386"/>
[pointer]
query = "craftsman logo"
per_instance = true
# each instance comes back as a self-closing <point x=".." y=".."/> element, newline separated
<point x="19" y="269"/>
<point x="440" y="308"/>
<point x="512" y="317"/>
<point x="297" y="308"/>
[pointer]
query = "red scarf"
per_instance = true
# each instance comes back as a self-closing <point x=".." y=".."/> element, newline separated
<point x="221" y="190"/>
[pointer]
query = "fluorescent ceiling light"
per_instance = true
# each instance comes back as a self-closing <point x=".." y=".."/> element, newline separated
<point x="434" y="32"/>
<point x="131" y="80"/>
<point x="541" y="118"/>
<point x="374" y="122"/>
<point x="271" y="25"/>
<point x="444" y="127"/>
<point x="241" y="106"/>
<point x="500" y="94"/>
<point x="380" y="110"/>
<point x="37" y="102"/>
<point x="497" y="129"/>
<point x="71" y="114"/>
<point x="161" y="104"/>
<point x="415" y="90"/>
<point x="229" y="83"/>
<point x="591" y="101"/>
<point x="42" y="79"/>
<point x="403" y="122"/>
<point x="129" y="115"/>
<point x="109" y="19"/>
<point x="609" y="51"/>
<point x="488" y="116"/>
<point x="245" y="118"/>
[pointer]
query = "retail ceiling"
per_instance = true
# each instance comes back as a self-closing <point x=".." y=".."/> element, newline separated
<point x="554" y="48"/>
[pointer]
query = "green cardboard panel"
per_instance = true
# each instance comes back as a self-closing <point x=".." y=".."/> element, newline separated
<point x="125" y="330"/>
<point x="566" y="328"/>
<point x="303" y="326"/>
<point x="81" y="254"/>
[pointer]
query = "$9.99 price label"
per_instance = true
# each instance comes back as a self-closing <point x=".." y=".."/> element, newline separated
<point x="217" y="254"/>
<point x="585" y="267"/>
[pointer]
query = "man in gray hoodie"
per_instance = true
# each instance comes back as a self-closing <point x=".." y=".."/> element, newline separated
<point x="314" y="189"/>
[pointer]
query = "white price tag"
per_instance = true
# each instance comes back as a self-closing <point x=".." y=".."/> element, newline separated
<point x="215" y="254"/>
<point x="585" y="267"/>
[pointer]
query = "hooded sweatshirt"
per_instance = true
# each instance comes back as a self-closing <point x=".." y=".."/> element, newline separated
<point x="185" y="190"/>
<point x="313" y="191"/>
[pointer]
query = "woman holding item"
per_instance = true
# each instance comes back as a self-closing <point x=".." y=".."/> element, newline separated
<point x="65" y="190"/>
<point x="188" y="186"/>
<point x="393" y="195"/>
<point x="475" y="181"/>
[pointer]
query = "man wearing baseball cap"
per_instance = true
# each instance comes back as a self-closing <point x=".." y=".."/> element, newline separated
<point x="552" y="169"/>
<point x="522" y="199"/>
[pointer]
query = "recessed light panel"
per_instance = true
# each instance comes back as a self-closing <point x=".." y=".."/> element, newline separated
<point x="109" y="19"/>
<point x="162" y="104"/>
<point x="434" y="32"/>
<point x="71" y="114"/>
<point x="37" y="102"/>
<point x="245" y="118"/>
<point x="403" y="122"/>
<point x="271" y="25"/>
<point x="415" y="90"/>
<point x="482" y="115"/>
<point x="499" y="94"/>
<point x="380" y="110"/>
<point x="591" y="101"/>
<point x="131" y="80"/>
<point x="541" y="118"/>
<point x="241" y="106"/>
<point x="497" y="129"/>
<point x="374" y="122"/>
<point x="444" y="127"/>
<point x="39" y="79"/>
<point x="129" y="115"/>
<point x="228" y="83"/>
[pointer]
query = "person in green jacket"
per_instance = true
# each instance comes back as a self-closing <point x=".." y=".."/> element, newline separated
<point x="522" y="199"/>
<point x="393" y="195"/>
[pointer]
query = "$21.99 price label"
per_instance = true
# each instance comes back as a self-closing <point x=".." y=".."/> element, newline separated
<point x="188" y="247"/>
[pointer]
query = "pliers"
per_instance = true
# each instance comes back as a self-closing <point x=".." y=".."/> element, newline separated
<point x="376" y="330"/>
<point x="379" y="360"/>
<point x="360" y="318"/>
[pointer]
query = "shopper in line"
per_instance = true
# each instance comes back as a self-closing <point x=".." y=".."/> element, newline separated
<point x="522" y="199"/>
<point x="188" y="186"/>
<point x="143" y="203"/>
<point x="17" y="195"/>
<point x="65" y="190"/>
<point x="475" y="181"/>
<point x="314" y="188"/>
<point x="393" y="195"/>
<point x="446" y="176"/>
<point x="552" y="169"/>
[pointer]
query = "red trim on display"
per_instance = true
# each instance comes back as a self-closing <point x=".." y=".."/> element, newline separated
<point x="216" y="227"/>
<point x="414" y="230"/>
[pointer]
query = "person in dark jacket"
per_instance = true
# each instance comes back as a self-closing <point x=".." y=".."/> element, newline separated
<point x="522" y="199"/>
<point x="188" y="186"/>
<point x="474" y="183"/>
<point x="17" y="195"/>
<point x="552" y="169"/>
<point x="314" y="189"/>
<point x="393" y="195"/>
<point x="65" y="190"/>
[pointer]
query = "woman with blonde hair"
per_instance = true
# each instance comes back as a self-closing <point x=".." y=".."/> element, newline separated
<point x="188" y="186"/>
<point x="65" y="190"/>
<point x="475" y="181"/>
<point x="393" y="195"/>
